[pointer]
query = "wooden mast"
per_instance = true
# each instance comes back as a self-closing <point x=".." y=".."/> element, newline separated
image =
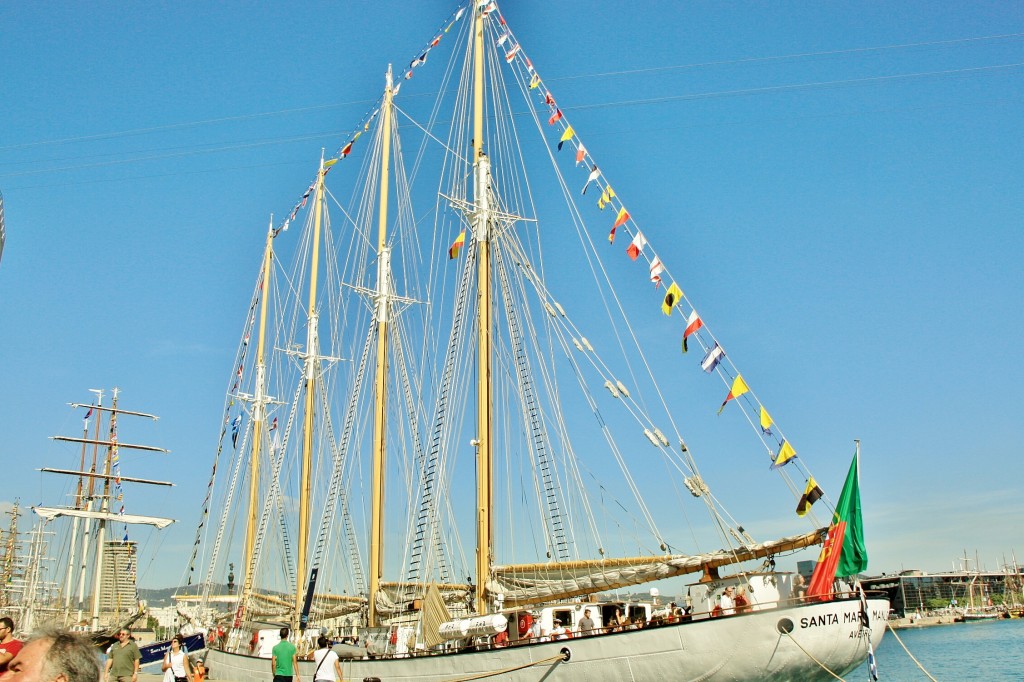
<point x="380" y="375"/>
<point x="311" y="365"/>
<point x="481" y="219"/>
<point x="258" y="417"/>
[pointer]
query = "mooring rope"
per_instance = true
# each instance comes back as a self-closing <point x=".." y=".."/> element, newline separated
<point x="918" y="663"/>
<point x="545" y="661"/>
<point x="811" y="656"/>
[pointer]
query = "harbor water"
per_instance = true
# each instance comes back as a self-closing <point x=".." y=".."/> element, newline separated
<point x="988" y="650"/>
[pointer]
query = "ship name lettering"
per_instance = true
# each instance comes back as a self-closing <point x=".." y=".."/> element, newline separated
<point x="818" y="621"/>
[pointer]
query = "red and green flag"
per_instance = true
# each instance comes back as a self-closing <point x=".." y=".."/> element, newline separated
<point x="844" y="553"/>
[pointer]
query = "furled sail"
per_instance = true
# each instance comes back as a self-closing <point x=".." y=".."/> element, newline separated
<point x="50" y="513"/>
<point x="536" y="583"/>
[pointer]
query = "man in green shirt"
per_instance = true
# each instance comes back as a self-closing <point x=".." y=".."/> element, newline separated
<point x="123" y="658"/>
<point x="284" y="663"/>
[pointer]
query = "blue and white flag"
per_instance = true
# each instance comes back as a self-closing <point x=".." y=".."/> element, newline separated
<point x="712" y="359"/>
<point x="865" y="623"/>
<point x="234" y="430"/>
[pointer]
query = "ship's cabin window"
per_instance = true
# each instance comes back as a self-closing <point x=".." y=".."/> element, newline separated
<point x="637" y="614"/>
<point x="563" y="615"/>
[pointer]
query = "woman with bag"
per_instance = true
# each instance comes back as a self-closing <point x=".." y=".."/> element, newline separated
<point x="176" y="666"/>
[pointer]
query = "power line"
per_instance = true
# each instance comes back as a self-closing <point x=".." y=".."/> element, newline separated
<point x="798" y="55"/>
<point x="793" y="87"/>
<point x="597" y="105"/>
<point x="321" y="107"/>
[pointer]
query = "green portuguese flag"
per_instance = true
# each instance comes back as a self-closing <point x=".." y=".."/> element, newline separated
<point x="854" y="557"/>
<point x="844" y="552"/>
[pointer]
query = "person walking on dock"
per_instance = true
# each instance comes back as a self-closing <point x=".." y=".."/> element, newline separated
<point x="284" y="662"/>
<point x="123" y="658"/>
<point x="177" y="662"/>
<point x="328" y="666"/>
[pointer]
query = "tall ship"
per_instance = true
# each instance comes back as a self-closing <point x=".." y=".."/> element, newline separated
<point x="82" y="554"/>
<point x="453" y="430"/>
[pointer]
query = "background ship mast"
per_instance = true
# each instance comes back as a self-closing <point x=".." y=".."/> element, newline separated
<point x="104" y="515"/>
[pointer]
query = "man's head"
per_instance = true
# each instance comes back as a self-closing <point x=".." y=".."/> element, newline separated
<point x="124" y="635"/>
<point x="587" y="612"/>
<point x="729" y="590"/>
<point x="284" y="633"/>
<point x="6" y="628"/>
<point x="53" y="655"/>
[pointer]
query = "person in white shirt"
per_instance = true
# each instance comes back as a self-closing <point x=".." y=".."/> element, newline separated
<point x="328" y="667"/>
<point x="728" y="601"/>
<point x="177" y="663"/>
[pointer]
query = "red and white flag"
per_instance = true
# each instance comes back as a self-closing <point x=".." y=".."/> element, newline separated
<point x="693" y="323"/>
<point x="656" y="269"/>
<point x="636" y="246"/>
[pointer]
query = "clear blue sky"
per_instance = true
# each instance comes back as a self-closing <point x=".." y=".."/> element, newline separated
<point x="848" y="218"/>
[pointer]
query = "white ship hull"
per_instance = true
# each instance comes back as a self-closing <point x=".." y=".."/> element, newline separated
<point x="740" y="647"/>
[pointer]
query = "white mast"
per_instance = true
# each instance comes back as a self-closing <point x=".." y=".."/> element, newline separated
<point x="88" y="506"/>
<point x="105" y="507"/>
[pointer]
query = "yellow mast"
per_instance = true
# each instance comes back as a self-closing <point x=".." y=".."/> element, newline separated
<point x="312" y="355"/>
<point x="259" y="414"/>
<point x="380" y="376"/>
<point x="485" y="446"/>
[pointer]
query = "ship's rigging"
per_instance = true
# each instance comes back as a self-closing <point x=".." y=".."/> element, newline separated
<point x="404" y="371"/>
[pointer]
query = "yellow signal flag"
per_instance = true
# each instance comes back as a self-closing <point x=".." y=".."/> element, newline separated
<point x="766" y="421"/>
<point x="786" y="453"/>
<point x="812" y="493"/>
<point x="566" y="136"/>
<point x="739" y="387"/>
<point x="622" y="217"/>
<point x="672" y="298"/>
<point x="606" y="196"/>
